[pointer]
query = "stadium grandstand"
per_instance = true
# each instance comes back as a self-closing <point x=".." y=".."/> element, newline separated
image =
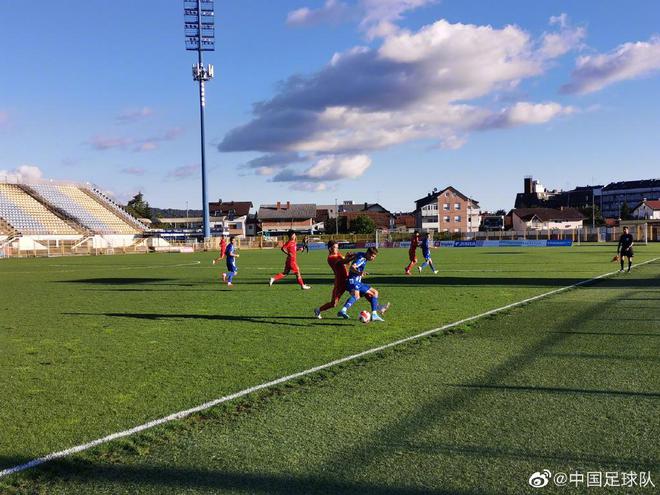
<point x="33" y="216"/>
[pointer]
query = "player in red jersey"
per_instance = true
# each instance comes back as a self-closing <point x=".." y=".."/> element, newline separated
<point x="412" y="252"/>
<point x="291" y="250"/>
<point x="337" y="263"/>
<point x="223" y="248"/>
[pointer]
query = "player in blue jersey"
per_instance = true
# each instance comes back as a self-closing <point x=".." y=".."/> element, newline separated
<point x="426" y="252"/>
<point x="230" y="255"/>
<point x="357" y="288"/>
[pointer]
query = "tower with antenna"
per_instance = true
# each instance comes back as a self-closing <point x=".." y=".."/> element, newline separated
<point x="199" y="26"/>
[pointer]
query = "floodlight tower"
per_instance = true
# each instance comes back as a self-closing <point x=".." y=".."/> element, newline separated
<point x="199" y="24"/>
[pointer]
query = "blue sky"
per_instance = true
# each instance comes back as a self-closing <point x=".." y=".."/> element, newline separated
<point x="370" y="100"/>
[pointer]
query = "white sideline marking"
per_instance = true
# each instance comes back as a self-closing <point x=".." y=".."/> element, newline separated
<point x="226" y="398"/>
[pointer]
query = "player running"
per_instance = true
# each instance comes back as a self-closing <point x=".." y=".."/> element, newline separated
<point x="412" y="252"/>
<point x="338" y="262"/>
<point x="232" y="269"/>
<point x="291" y="250"/>
<point x="223" y="246"/>
<point x="426" y="252"/>
<point x="356" y="288"/>
<point x="624" y="248"/>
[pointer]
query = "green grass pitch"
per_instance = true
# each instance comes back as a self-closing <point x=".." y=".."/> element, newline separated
<point x="92" y="346"/>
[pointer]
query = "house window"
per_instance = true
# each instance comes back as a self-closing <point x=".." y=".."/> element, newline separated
<point x="457" y="206"/>
<point x="445" y="207"/>
<point x="447" y="219"/>
<point x="457" y="218"/>
<point x="457" y="230"/>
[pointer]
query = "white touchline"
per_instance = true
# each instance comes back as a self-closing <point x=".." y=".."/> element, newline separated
<point x="247" y="391"/>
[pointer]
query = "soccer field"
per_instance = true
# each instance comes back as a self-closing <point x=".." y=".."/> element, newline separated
<point x="93" y="346"/>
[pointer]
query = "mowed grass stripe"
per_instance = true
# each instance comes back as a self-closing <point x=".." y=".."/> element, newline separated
<point x="207" y="405"/>
<point x="90" y="354"/>
<point x="549" y="385"/>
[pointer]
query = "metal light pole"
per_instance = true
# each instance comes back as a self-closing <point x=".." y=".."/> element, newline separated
<point x="199" y="23"/>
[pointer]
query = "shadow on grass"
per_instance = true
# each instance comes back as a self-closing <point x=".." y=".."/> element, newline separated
<point x="251" y="319"/>
<point x="610" y="334"/>
<point x="556" y="390"/>
<point x="451" y="281"/>
<point x="70" y="473"/>
<point x="116" y="281"/>
<point x="433" y="411"/>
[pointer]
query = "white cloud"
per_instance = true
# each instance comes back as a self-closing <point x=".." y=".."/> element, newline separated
<point x="134" y="115"/>
<point x="103" y="143"/>
<point x="184" y="172"/>
<point x="412" y="87"/>
<point x="23" y="173"/>
<point x="310" y="186"/>
<point x="133" y="171"/>
<point x="329" y="168"/>
<point x="555" y="44"/>
<point x="377" y="17"/>
<point x="332" y="11"/>
<point x="627" y="61"/>
<point x="380" y="16"/>
<point x="526" y="113"/>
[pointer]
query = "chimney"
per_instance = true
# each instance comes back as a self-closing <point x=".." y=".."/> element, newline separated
<point x="528" y="185"/>
<point x="278" y="205"/>
<point x="366" y="205"/>
<point x="288" y="205"/>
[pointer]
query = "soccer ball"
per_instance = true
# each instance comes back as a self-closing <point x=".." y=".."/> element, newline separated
<point x="365" y="316"/>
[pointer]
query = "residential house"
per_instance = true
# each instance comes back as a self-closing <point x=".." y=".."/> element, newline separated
<point x="616" y="194"/>
<point x="282" y="217"/>
<point x="447" y="210"/>
<point x="230" y="217"/>
<point x="382" y="217"/>
<point x="545" y="218"/>
<point x="647" y="210"/>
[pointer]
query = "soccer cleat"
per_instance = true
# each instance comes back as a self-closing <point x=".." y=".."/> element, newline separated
<point x="305" y="287"/>
<point x="407" y="272"/>
<point x="376" y="317"/>
<point x="383" y="309"/>
<point x="435" y="272"/>
<point x="224" y="277"/>
<point x="420" y="269"/>
<point x="343" y="314"/>
<point x="229" y="284"/>
<point x="317" y="313"/>
<point x="213" y="262"/>
<point x="272" y="281"/>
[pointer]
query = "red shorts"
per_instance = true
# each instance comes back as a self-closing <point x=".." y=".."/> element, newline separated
<point x="412" y="255"/>
<point x="291" y="266"/>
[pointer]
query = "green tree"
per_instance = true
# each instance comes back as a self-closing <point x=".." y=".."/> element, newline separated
<point x="138" y="207"/>
<point x="625" y="212"/>
<point x="363" y="225"/>
<point x="598" y="216"/>
<point x="500" y="212"/>
<point x="331" y="225"/>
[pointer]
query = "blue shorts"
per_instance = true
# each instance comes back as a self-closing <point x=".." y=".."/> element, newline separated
<point x="362" y="288"/>
<point x="427" y="255"/>
<point x="231" y="266"/>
